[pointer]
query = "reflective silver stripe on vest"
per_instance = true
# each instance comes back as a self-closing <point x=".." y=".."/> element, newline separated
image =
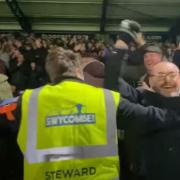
<point x="64" y="153"/>
<point x="116" y="178"/>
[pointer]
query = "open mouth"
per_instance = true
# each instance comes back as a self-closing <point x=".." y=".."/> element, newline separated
<point x="149" y="63"/>
<point x="167" y="87"/>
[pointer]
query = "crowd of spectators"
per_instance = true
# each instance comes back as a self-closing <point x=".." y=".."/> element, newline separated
<point x="22" y="57"/>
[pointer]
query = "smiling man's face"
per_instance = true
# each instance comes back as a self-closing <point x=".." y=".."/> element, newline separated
<point x="165" y="79"/>
<point x="151" y="59"/>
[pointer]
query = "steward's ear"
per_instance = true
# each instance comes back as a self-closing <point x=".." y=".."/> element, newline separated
<point x="79" y="73"/>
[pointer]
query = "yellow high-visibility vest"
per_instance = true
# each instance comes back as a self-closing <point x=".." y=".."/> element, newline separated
<point x="68" y="131"/>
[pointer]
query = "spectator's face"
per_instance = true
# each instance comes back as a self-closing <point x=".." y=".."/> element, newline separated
<point x="14" y="53"/>
<point x="150" y="59"/>
<point x="38" y="43"/>
<point x="17" y="43"/>
<point x="165" y="79"/>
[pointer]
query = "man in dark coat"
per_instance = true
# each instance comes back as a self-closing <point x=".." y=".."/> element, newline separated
<point x="123" y="62"/>
<point x="154" y="155"/>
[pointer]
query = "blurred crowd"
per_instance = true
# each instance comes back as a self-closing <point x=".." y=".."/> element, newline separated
<point x="22" y="57"/>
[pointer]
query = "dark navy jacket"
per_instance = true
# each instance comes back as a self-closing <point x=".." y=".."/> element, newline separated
<point x="156" y="153"/>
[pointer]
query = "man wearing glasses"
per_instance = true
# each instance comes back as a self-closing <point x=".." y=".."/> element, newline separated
<point x="155" y="155"/>
<point x="164" y="78"/>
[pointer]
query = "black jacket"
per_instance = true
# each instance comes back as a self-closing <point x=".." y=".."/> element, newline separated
<point x="121" y="62"/>
<point x="156" y="154"/>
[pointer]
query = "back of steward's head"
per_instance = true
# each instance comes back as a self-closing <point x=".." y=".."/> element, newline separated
<point x="62" y="63"/>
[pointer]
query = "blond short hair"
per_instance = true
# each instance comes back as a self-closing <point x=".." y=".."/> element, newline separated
<point x="61" y="62"/>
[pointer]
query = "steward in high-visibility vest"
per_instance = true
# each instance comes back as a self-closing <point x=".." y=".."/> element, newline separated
<point x="68" y="131"/>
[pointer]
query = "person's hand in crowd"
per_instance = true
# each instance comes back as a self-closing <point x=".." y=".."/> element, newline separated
<point x="140" y="39"/>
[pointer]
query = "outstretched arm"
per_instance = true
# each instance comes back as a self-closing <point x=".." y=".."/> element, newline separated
<point x="146" y="119"/>
<point x="128" y="92"/>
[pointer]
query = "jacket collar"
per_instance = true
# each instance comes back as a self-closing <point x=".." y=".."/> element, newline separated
<point x="69" y="78"/>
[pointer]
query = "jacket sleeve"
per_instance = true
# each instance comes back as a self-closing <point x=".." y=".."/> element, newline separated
<point x="113" y="68"/>
<point x="145" y="119"/>
<point x="128" y="92"/>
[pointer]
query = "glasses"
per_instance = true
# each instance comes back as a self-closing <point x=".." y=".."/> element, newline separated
<point x="160" y="77"/>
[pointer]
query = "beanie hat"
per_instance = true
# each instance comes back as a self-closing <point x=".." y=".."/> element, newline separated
<point x="130" y="27"/>
<point x="5" y="88"/>
<point x="153" y="48"/>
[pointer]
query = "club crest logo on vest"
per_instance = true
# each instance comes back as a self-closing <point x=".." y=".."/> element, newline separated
<point x="71" y="116"/>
